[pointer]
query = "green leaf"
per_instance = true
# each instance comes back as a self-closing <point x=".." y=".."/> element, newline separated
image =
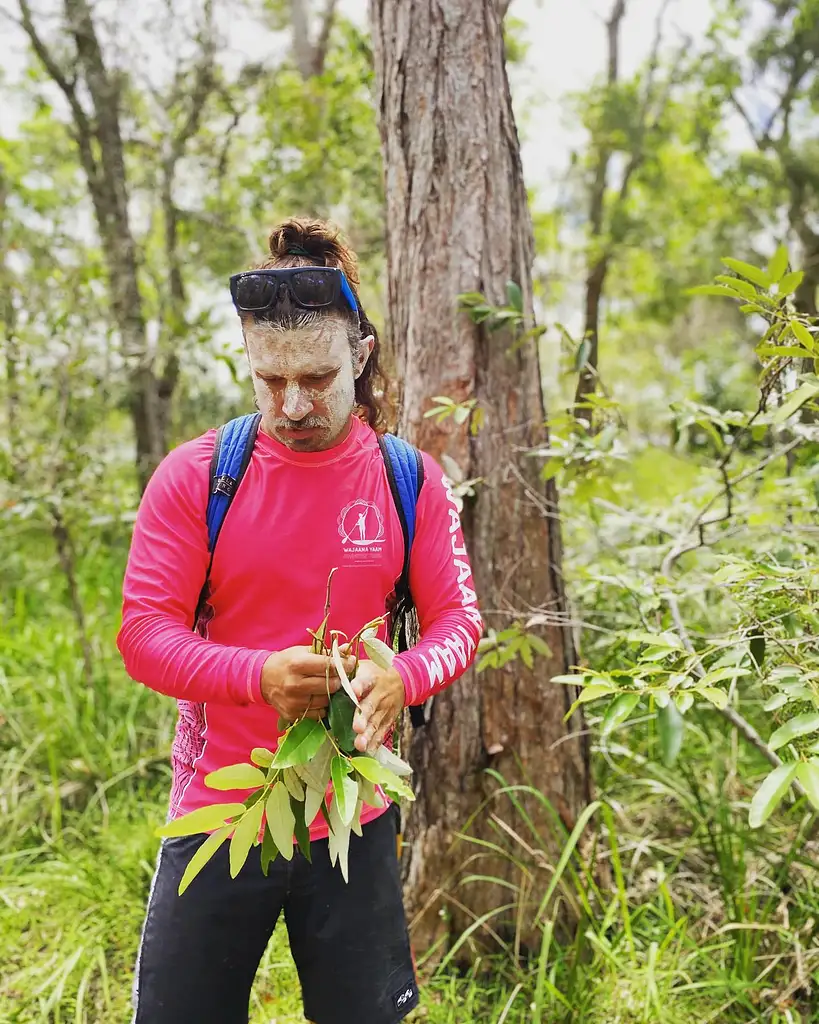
<point x="339" y="841"/>
<point x="244" y="837"/>
<point x="379" y="652"/>
<point x="729" y="672"/>
<point x="269" y="851"/>
<point x="778" y="264"/>
<point x="301" y="742"/>
<point x="748" y="271"/>
<point x="342" y="711"/>
<point x="262" y="756"/>
<point x="312" y="803"/>
<point x="316" y="774"/>
<point x="369" y="794"/>
<point x="795" y="401"/>
<point x="670" y="729"/>
<point x="790" y="282"/>
<point x="389" y="759"/>
<point x="342" y="675"/>
<point x="807" y="772"/>
<point x="684" y="701"/>
<point x="293" y="784"/>
<point x="539" y="644"/>
<point x="301" y="829"/>
<point x="670" y="640"/>
<point x="345" y="790"/>
<point x="397" y="789"/>
<point x="280" y="819"/>
<point x="757" y="648"/>
<point x="803" y="335"/>
<point x="204" y="819"/>
<point x="774" y="703"/>
<point x="575" y="679"/>
<point x="514" y="296"/>
<point x="371" y="770"/>
<point x="582" y="355"/>
<point x="619" y="710"/>
<point x="783" y="351"/>
<point x="770" y="793"/>
<point x="203" y="855"/>
<point x="719" y="698"/>
<point x="461" y="414"/>
<point x="721" y="290"/>
<point x="595" y="691"/>
<point x="355" y="824"/>
<point x="801" y="725"/>
<point x="738" y="285"/>
<point x="235" y="776"/>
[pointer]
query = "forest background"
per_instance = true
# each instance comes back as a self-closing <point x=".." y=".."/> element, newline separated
<point x="651" y="861"/>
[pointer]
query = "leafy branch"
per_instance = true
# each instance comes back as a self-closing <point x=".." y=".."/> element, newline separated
<point x="315" y="770"/>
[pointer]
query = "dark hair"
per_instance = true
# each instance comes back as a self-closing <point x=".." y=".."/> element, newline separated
<point x="303" y="242"/>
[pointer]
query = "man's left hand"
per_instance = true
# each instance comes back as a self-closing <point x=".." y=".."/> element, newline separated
<point x="381" y="693"/>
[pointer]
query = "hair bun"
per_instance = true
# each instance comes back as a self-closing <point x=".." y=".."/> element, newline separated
<point x="303" y="240"/>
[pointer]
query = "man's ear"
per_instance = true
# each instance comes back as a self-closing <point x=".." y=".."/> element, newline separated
<point x="363" y="353"/>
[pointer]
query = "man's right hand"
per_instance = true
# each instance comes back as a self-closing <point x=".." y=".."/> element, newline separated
<point x="294" y="681"/>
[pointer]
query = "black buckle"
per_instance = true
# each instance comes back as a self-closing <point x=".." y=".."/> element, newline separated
<point x="224" y="485"/>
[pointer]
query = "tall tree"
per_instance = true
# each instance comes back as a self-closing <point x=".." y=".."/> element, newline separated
<point x="94" y="89"/>
<point x="458" y="222"/>
<point x="626" y="119"/>
<point x="776" y="92"/>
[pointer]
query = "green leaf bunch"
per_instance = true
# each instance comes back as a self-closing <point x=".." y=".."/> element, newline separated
<point x="315" y="770"/>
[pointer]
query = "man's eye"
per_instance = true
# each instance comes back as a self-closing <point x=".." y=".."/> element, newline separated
<point x="274" y="382"/>
<point x="319" y="380"/>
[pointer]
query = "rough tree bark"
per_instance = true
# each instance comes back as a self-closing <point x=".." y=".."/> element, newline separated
<point x="458" y="221"/>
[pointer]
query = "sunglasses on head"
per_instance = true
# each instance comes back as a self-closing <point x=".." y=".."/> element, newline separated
<point x="258" y="291"/>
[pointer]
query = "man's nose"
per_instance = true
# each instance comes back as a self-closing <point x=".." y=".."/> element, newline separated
<point x="296" y="404"/>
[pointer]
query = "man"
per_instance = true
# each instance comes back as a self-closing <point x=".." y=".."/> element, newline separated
<point x="315" y="496"/>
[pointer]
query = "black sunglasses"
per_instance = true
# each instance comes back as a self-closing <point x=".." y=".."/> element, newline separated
<point x="257" y="291"/>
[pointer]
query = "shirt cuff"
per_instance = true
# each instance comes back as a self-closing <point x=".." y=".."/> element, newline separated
<point x="405" y="671"/>
<point x="254" y="677"/>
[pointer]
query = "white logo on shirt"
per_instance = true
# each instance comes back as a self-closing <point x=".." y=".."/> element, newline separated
<point x="361" y="524"/>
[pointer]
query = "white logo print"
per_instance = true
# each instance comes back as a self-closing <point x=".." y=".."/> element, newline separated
<point x="403" y="998"/>
<point x="361" y="523"/>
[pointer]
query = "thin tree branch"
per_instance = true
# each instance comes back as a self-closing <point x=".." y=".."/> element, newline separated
<point x="683" y="546"/>
<point x="320" y="49"/>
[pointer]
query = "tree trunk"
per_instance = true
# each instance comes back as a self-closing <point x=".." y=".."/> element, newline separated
<point x="599" y="263"/>
<point x="458" y="221"/>
<point x="84" y="78"/>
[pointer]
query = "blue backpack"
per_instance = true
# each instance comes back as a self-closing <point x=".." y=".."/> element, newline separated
<point x="405" y="472"/>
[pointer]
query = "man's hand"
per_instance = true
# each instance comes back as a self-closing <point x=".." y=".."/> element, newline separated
<point x="294" y="681"/>
<point x="381" y="692"/>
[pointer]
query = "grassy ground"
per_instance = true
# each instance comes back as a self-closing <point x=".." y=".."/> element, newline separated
<point x="690" y="919"/>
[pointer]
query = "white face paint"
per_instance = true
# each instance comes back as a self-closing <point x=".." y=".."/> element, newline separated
<point x="304" y="380"/>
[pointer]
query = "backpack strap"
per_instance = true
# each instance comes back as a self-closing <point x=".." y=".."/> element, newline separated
<point x="405" y="473"/>
<point x="231" y="456"/>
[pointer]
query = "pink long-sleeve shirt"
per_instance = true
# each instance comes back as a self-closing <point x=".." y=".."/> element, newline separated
<point x="294" y="518"/>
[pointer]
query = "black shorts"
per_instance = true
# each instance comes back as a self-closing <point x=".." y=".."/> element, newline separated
<point x="200" y="951"/>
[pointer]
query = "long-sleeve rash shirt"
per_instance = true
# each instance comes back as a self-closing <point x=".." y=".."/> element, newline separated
<point x="295" y="517"/>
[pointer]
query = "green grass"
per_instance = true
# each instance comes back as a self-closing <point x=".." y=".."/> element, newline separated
<point x="685" y="915"/>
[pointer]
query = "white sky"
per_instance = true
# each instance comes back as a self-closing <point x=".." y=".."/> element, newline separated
<point x="567" y="50"/>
